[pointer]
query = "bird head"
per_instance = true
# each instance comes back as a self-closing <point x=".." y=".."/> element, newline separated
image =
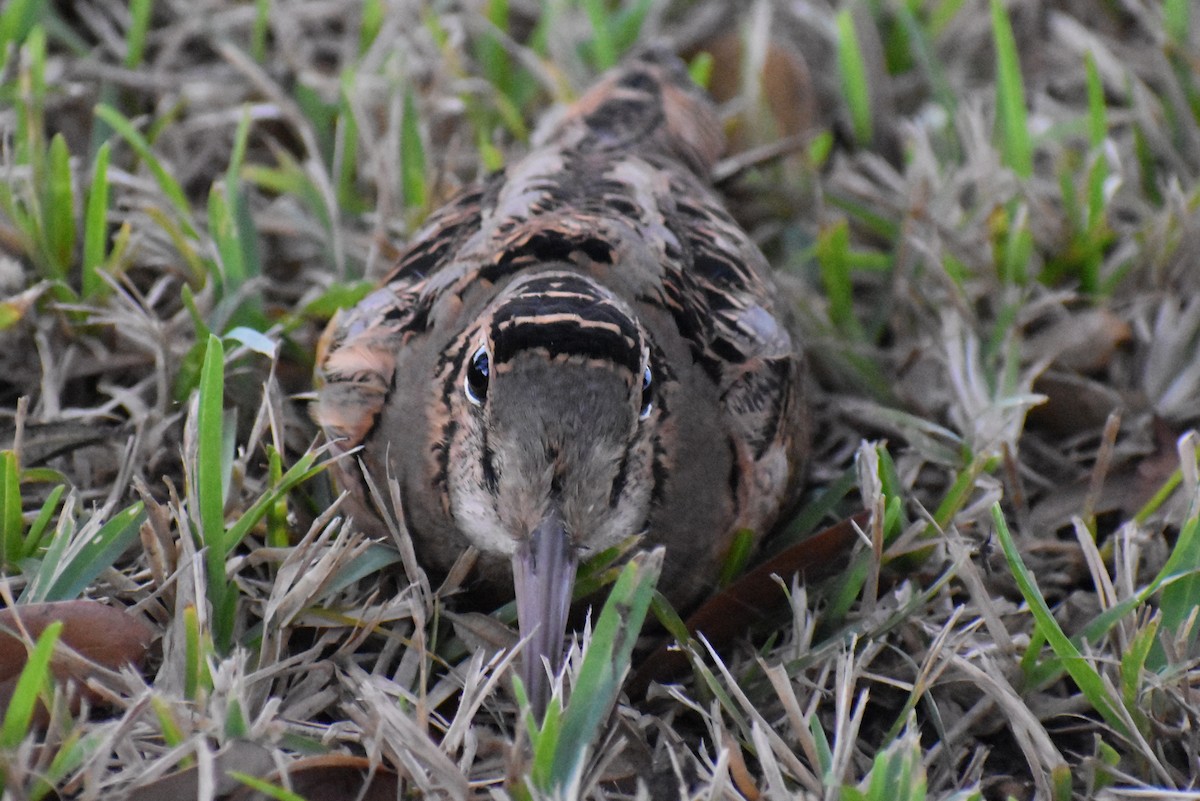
<point x="556" y="392"/>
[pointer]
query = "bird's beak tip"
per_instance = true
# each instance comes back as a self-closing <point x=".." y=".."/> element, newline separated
<point x="544" y="577"/>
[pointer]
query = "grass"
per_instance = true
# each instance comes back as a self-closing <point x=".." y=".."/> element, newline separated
<point x="987" y="233"/>
<point x="561" y="742"/>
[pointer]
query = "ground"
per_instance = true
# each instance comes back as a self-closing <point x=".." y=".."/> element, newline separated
<point x="984" y="213"/>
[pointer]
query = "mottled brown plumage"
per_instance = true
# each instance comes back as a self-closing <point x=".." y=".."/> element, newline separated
<point x="583" y="347"/>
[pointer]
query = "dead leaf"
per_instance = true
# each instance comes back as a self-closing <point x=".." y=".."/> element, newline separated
<point x="238" y="756"/>
<point x="1074" y="403"/>
<point x="106" y="638"/>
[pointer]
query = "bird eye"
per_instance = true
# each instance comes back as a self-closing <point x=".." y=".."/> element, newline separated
<point x="647" y="405"/>
<point x="476" y="383"/>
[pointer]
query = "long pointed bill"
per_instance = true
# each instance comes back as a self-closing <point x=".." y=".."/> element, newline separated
<point x="544" y="575"/>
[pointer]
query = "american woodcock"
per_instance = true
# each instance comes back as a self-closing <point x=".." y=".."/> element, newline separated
<point x="581" y="348"/>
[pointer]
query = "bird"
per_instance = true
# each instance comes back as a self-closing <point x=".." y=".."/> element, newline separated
<point x="580" y="348"/>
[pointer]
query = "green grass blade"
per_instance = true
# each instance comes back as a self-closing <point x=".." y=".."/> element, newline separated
<point x="740" y="551"/>
<point x="494" y="61"/>
<point x="824" y="752"/>
<point x="1080" y="670"/>
<point x="11" y="525"/>
<point x="345" y="149"/>
<point x="59" y="209"/>
<point x="243" y="222"/>
<point x="168" y="727"/>
<point x="853" y="69"/>
<point x="670" y="620"/>
<point x="1180" y="563"/>
<point x="17" y="20"/>
<point x="1182" y="595"/>
<point x="236" y="727"/>
<point x="300" y="472"/>
<point x="824" y="505"/>
<point x="71" y="754"/>
<point x="1015" y="248"/>
<point x="277" y="528"/>
<point x="543" y="743"/>
<point x="1177" y="20"/>
<point x="34" y="679"/>
<point x="604" y="48"/>
<point x="1015" y="144"/>
<point x="33" y="539"/>
<point x="374" y="12"/>
<point x="199" y="268"/>
<point x="265" y="787"/>
<point x="262" y="26"/>
<point x="924" y="52"/>
<point x="56" y="552"/>
<point x="959" y="492"/>
<point x="849" y="586"/>
<point x="1160" y="496"/>
<point x="412" y="157"/>
<point x="866" y="216"/>
<point x="833" y="247"/>
<point x="210" y="425"/>
<point x="68" y="577"/>
<point x="1133" y="661"/>
<point x="1097" y="109"/>
<point x="223" y="229"/>
<point x="166" y="183"/>
<point x="942" y="14"/>
<point x="1094" y="236"/>
<point x="139" y="25"/>
<point x="196" y="675"/>
<point x="376" y="558"/>
<point x="510" y="115"/>
<point x="30" y="139"/>
<point x="626" y="26"/>
<point x="700" y="69"/>
<point x="605" y="663"/>
<point x="321" y="115"/>
<point x="209" y="489"/>
<point x="338" y="295"/>
<point x="95" y="226"/>
<point x="290" y="179"/>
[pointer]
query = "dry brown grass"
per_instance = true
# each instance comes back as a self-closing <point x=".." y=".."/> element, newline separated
<point x="1000" y="346"/>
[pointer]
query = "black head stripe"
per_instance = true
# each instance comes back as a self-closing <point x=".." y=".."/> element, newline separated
<point x="565" y="315"/>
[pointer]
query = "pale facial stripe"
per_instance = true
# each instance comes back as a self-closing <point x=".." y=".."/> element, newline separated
<point x="566" y="315"/>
